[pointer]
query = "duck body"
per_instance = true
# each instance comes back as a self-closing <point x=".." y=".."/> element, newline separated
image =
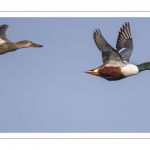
<point x="116" y="64"/>
<point x="112" y="73"/>
<point x="7" y="46"/>
<point x="10" y="46"/>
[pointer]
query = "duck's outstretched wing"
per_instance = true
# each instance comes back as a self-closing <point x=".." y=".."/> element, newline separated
<point x="109" y="54"/>
<point x="124" y="42"/>
<point x="3" y="29"/>
<point x="3" y="37"/>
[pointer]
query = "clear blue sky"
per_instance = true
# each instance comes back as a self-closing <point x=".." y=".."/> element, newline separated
<point x="46" y="89"/>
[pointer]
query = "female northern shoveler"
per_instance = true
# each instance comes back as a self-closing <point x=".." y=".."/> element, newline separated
<point x="116" y="62"/>
<point x="8" y="46"/>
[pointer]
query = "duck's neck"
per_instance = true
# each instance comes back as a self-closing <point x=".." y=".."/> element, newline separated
<point x="20" y="45"/>
<point x="144" y="66"/>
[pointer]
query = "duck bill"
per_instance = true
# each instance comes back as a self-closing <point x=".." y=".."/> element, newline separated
<point x="35" y="45"/>
<point x="92" y="73"/>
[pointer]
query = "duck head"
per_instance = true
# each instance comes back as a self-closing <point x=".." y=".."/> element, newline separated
<point x="27" y="43"/>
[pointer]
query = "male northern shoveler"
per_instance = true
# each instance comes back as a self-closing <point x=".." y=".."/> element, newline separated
<point x="8" y="46"/>
<point x="116" y="64"/>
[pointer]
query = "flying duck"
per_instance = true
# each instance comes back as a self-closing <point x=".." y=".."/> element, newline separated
<point x="7" y="46"/>
<point x="116" y="64"/>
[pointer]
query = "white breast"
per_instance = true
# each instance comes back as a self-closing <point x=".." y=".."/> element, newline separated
<point x="129" y="70"/>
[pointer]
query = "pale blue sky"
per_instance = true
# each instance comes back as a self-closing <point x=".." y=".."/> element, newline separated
<point x="45" y="89"/>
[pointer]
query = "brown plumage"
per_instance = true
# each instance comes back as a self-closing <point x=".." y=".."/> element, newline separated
<point x="8" y="46"/>
<point x="111" y="73"/>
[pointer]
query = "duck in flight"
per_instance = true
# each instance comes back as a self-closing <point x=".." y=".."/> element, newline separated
<point x="8" y="46"/>
<point x="116" y="64"/>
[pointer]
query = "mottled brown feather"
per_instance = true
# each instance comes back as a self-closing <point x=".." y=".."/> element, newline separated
<point x="7" y="47"/>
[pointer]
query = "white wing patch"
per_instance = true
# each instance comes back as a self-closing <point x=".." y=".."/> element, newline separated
<point x="2" y="41"/>
<point x="122" y="50"/>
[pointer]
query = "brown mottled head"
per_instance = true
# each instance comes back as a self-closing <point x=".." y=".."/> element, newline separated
<point x="27" y="43"/>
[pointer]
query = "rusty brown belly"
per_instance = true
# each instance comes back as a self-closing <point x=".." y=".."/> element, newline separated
<point x="111" y="73"/>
